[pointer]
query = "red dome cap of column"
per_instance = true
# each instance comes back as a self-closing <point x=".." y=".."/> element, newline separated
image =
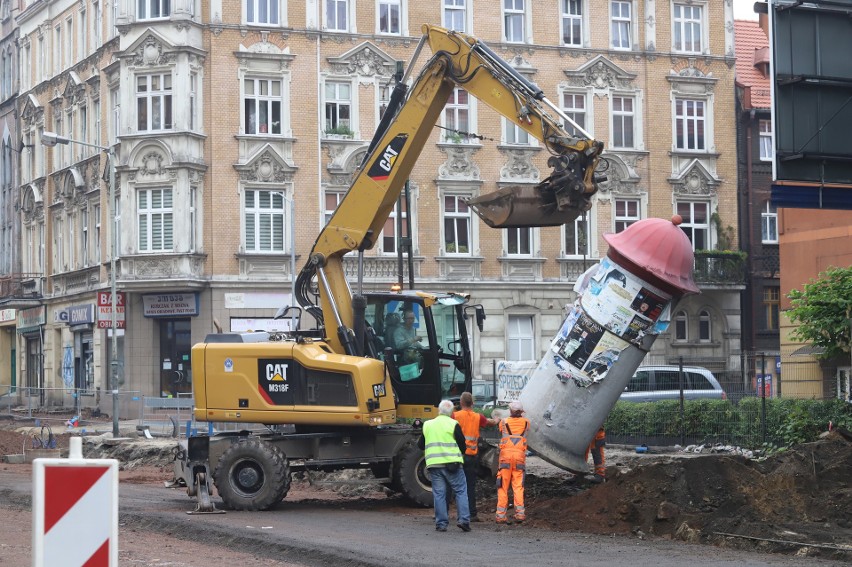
<point x="660" y="247"/>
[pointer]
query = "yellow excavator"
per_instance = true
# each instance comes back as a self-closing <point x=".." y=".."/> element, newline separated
<point x="332" y="396"/>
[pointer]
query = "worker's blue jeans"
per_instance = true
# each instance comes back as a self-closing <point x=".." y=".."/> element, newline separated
<point x="444" y="481"/>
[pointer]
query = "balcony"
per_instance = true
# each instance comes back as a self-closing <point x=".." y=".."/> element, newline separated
<point x="21" y="290"/>
<point x="720" y="268"/>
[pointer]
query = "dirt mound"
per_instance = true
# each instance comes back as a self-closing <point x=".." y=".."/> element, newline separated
<point x="801" y="495"/>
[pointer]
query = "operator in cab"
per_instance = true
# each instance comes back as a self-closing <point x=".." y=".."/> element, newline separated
<point x="405" y="336"/>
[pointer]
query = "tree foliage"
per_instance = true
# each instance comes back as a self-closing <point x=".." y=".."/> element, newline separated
<point x="823" y="309"/>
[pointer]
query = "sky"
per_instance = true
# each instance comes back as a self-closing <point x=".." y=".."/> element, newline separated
<point x="744" y="10"/>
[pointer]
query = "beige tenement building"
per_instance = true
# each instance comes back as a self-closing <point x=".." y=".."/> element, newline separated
<point x="237" y="127"/>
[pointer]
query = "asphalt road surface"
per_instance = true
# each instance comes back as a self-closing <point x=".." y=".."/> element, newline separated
<point x="371" y="531"/>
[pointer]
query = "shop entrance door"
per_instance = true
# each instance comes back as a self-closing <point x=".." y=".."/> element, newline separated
<point x="175" y="358"/>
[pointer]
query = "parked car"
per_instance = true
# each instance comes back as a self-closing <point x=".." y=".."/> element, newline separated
<point x="653" y="383"/>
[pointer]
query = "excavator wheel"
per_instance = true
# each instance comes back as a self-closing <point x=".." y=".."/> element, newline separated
<point x="252" y="475"/>
<point x="410" y="474"/>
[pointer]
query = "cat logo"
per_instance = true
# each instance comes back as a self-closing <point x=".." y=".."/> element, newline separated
<point x="386" y="159"/>
<point x="276" y="372"/>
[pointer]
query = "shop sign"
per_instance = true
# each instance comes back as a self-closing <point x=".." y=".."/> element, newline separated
<point x="7" y="315"/>
<point x="30" y="319"/>
<point x="105" y="309"/>
<point x="170" y="304"/>
<point x="81" y="314"/>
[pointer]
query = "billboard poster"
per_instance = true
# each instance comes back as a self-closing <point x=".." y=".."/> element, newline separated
<point x="512" y="376"/>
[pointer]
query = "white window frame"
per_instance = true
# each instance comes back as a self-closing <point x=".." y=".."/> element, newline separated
<point x="115" y="126"/>
<point x="193" y="219"/>
<point x="460" y="213"/>
<point x="520" y="337"/>
<point x="58" y="245"/>
<point x="689" y="226"/>
<point x="574" y="230"/>
<point x="261" y="100"/>
<point x="163" y="95"/>
<point x="82" y="33"/>
<point x="512" y="237"/>
<point x="97" y="23"/>
<point x="684" y="22"/>
<point x="162" y="215"/>
<point x="68" y="50"/>
<point x="57" y="49"/>
<point x="274" y="9"/>
<point x="512" y="10"/>
<point x="623" y="215"/>
<point x="514" y="135"/>
<point x="329" y="196"/>
<point x="684" y="116"/>
<point x="621" y="25"/>
<point x="401" y="7"/>
<point x="574" y="111"/>
<point x="145" y="9"/>
<point x="569" y="17"/>
<point x="680" y="322"/>
<point x="458" y="116"/>
<point x="96" y="240"/>
<point x="705" y="326"/>
<point x="264" y="205"/>
<point x="391" y="222"/>
<point x="765" y="136"/>
<point x="454" y="11"/>
<point x="624" y="117"/>
<point x="84" y="236"/>
<point x="769" y="223"/>
<point x="339" y="103"/>
<point x="332" y="25"/>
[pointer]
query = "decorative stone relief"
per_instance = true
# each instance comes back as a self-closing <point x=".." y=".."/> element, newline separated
<point x="365" y="60"/>
<point x="519" y="166"/>
<point x="150" y="53"/>
<point x="152" y="165"/>
<point x="75" y="90"/>
<point x="459" y="164"/>
<point x="695" y="180"/>
<point x="601" y="74"/>
<point x="32" y="112"/>
<point x="267" y="167"/>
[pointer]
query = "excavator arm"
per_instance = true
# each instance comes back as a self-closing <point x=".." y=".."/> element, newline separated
<point x="462" y="61"/>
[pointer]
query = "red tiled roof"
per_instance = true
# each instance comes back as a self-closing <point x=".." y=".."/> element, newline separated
<point x="749" y="40"/>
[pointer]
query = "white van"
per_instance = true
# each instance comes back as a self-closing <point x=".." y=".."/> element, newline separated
<point x="653" y="383"/>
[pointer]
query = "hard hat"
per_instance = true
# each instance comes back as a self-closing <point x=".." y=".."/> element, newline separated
<point x="516" y="406"/>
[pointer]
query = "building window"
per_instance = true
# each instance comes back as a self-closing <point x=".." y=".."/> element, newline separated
<point x="337" y="15"/>
<point x="577" y="237"/>
<point x="456" y="115"/>
<point x="390" y="240"/>
<point x="82" y="34"/>
<point x="771" y="305"/>
<point x="626" y="213"/>
<point x="514" y="20"/>
<point x="84" y="237"/>
<point x="687" y="28"/>
<point x="96" y="239"/>
<point x="623" y="119"/>
<point x="681" y="326"/>
<point x="455" y="15"/>
<point x="765" y="140"/>
<point x="705" y="331"/>
<point x="572" y="22"/>
<point x="620" y="28"/>
<point x="152" y="9"/>
<point x="193" y="219"/>
<point x="58" y="245"/>
<point x="264" y="221"/>
<point x="98" y="24"/>
<point x="57" y="50"/>
<point x="338" y="105"/>
<point x="262" y="106"/>
<point x="515" y="135"/>
<point x="193" y="100"/>
<point x="574" y="106"/>
<point x="520" y="339"/>
<point x="332" y="200"/>
<point x="690" y="120"/>
<point x="769" y="223"/>
<point x="154" y="210"/>
<point x="519" y="241"/>
<point x="154" y="102"/>
<point x="456" y="225"/>
<point x="696" y="223"/>
<point x="389" y="13"/>
<point x="262" y="12"/>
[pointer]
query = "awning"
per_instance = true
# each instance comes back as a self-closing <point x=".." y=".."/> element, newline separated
<point x="808" y="350"/>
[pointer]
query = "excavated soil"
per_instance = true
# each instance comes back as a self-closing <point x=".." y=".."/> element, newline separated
<point x="797" y="501"/>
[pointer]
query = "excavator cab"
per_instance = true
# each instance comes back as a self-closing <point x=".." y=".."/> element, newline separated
<point x="422" y="338"/>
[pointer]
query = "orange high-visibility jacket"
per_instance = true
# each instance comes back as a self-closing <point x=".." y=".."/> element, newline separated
<point x="513" y="440"/>
<point x="469" y="421"/>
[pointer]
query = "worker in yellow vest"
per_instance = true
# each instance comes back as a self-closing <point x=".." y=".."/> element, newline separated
<point x="470" y="423"/>
<point x="512" y="465"/>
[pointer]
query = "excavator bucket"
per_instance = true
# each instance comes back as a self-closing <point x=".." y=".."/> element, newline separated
<point x="527" y="206"/>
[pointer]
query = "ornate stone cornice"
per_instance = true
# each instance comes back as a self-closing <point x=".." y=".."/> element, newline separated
<point x="364" y="60"/>
<point x="459" y="164"/>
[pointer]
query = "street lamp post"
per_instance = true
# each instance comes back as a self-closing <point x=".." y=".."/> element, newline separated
<point x="51" y="139"/>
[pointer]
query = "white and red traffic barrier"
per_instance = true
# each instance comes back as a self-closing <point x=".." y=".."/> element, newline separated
<point x="75" y="511"/>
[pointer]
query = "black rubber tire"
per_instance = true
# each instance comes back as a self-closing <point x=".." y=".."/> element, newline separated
<point x="252" y="475"/>
<point x="411" y="476"/>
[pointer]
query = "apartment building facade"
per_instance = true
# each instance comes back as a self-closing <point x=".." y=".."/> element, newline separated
<point x="238" y="127"/>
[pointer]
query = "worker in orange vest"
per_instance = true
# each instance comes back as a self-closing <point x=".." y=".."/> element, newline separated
<point x="470" y="423"/>
<point x="512" y="465"/>
<point x="596" y="448"/>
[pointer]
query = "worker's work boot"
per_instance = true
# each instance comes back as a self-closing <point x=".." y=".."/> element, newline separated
<point x="597" y="479"/>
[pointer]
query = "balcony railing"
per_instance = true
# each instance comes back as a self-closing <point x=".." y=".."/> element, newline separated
<point x="20" y="286"/>
<point x="719" y="267"/>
